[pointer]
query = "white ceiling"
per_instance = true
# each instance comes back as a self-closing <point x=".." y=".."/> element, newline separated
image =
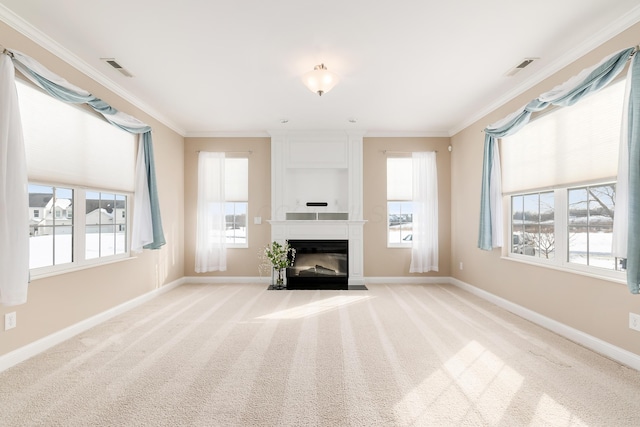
<point x="407" y="67"/>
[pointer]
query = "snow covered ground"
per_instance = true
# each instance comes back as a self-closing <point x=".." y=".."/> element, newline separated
<point x="42" y="247"/>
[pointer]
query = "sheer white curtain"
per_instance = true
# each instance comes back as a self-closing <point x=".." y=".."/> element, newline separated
<point x="424" y="252"/>
<point x="14" y="202"/>
<point x="211" y="251"/>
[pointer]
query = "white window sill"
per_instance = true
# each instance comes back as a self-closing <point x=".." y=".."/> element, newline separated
<point x="610" y="276"/>
<point x="45" y="272"/>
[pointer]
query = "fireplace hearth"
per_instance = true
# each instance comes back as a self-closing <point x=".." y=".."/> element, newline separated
<point x="319" y="264"/>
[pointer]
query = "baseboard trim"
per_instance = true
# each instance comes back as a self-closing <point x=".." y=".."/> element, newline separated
<point x="409" y="280"/>
<point x="604" y="348"/>
<point x="23" y="353"/>
<point x="226" y="279"/>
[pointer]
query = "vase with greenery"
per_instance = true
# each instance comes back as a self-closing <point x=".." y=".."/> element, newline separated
<point x="279" y="257"/>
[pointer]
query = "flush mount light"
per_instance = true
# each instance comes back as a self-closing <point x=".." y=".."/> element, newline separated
<point x="320" y="80"/>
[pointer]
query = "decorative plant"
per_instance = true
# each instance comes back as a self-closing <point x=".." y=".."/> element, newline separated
<point x="278" y="255"/>
<point x="275" y="257"/>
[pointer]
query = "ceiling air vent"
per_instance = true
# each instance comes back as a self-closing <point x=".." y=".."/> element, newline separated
<point x="118" y="67"/>
<point x="521" y="66"/>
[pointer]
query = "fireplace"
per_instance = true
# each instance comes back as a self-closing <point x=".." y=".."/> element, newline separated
<point x="319" y="264"/>
<point x="316" y="195"/>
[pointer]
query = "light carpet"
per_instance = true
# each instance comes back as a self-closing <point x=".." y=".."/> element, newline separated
<point x="395" y="355"/>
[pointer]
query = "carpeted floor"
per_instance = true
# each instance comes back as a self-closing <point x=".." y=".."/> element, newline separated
<point x="396" y="355"/>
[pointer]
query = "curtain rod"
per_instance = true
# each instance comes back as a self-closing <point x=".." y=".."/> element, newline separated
<point x="385" y="152"/>
<point x="226" y="152"/>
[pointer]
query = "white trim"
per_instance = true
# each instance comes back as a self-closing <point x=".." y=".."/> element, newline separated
<point x="228" y="134"/>
<point x="618" y="277"/>
<point x="38" y="37"/>
<point x="604" y="348"/>
<point x="56" y="270"/>
<point x="407" y="279"/>
<point x="23" y="353"/>
<point x="227" y="279"/>
<point x="407" y="134"/>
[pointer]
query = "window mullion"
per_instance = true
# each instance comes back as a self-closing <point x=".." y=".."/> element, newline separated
<point x="79" y="225"/>
<point x="561" y="222"/>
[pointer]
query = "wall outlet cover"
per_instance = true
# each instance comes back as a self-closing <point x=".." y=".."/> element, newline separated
<point x="634" y="321"/>
<point x="9" y="321"/>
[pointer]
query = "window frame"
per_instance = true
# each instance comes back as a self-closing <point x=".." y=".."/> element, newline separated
<point x="561" y="231"/>
<point x="79" y="260"/>
<point x="233" y="204"/>
<point x="235" y="245"/>
<point x="403" y="244"/>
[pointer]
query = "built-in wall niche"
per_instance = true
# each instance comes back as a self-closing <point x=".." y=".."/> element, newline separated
<point x="325" y="185"/>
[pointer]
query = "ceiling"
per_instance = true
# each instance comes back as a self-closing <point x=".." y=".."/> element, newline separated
<point x="407" y="67"/>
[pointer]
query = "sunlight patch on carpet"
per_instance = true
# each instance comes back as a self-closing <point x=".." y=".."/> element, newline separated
<point x="550" y="412"/>
<point x="314" y="308"/>
<point x="486" y="379"/>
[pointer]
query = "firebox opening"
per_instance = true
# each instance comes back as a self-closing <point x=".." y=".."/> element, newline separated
<point x="319" y="264"/>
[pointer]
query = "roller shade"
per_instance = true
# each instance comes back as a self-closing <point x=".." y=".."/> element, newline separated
<point x="69" y="145"/>
<point x="236" y="179"/>
<point x="399" y="178"/>
<point x="568" y="146"/>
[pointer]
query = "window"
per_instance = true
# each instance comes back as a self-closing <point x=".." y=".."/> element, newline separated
<point x="53" y="238"/>
<point x="559" y="173"/>
<point x="590" y="226"/>
<point x="532" y="225"/>
<point x="50" y="237"/>
<point x="236" y="184"/>
<point x="77" y="150"/>
<point x="399" y="201"/>
<point x="105" y="224"/>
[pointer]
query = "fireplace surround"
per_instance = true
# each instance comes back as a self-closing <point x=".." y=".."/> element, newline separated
<point x="316" y="195"/>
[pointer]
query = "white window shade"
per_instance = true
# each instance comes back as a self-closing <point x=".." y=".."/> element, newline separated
<point x="69" y="145"/>
<point x="571" y="145"/>
<point x="236" y="179"/>
<point x="399" y="178"/>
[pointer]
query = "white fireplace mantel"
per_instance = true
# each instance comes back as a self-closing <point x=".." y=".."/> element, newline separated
<point x="325" y="167"/>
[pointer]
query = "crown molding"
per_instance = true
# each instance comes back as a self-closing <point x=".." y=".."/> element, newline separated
<point x="407" y="134"/>
<point x="228" y="134"/>
<point x="589" y="44"/>
<point x="46" y="42"/>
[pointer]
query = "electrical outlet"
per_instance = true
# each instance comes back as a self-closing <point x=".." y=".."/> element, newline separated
<point x="634" y="321"/>
<point x="460" y="265"/>
<point x="9" y="320"/>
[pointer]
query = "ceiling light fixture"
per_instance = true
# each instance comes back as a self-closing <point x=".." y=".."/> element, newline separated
<point x="320" y="80"/>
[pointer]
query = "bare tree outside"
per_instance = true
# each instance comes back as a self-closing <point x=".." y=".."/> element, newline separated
<point x="533" y="225"/>
<point x="590" y="227"/>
